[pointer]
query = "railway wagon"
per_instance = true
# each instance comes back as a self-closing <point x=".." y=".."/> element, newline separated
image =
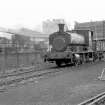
<point x="75" y="46"/>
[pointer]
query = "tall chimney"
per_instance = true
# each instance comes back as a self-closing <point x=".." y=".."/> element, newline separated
<point x="61" y="27"/>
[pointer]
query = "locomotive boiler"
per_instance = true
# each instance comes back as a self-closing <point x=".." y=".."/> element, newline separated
<point x="70" y="46"/>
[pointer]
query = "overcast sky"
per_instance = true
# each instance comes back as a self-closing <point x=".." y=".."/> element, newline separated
<point x="30" y="13"/>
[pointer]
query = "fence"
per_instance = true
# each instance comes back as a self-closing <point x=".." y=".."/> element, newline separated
<point x="14" y="58"/>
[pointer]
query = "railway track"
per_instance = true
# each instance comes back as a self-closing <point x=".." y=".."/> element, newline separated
<point x="96" y="100"/>
<point x="21" y="71"/>
<point x="26" y="70"/>
<point x="28" y="75"/>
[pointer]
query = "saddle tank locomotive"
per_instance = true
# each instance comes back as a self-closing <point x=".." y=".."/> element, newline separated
<point x="75" y="46"/>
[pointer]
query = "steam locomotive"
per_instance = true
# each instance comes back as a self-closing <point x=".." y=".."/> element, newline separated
<point x="74" y="47"/>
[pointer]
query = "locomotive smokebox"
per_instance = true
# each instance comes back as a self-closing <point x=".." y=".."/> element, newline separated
<point x="61" y="27"/>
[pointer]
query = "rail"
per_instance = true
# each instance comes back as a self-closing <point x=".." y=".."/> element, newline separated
<point x="96" y="100"/>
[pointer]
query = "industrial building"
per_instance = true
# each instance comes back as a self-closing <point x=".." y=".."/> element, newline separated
<point x="98" y="28"/>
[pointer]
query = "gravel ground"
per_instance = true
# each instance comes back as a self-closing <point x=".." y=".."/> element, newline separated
<point x="69" y="87"/>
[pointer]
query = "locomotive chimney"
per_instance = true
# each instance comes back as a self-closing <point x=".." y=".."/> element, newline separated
<point x="61" y="27"/>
